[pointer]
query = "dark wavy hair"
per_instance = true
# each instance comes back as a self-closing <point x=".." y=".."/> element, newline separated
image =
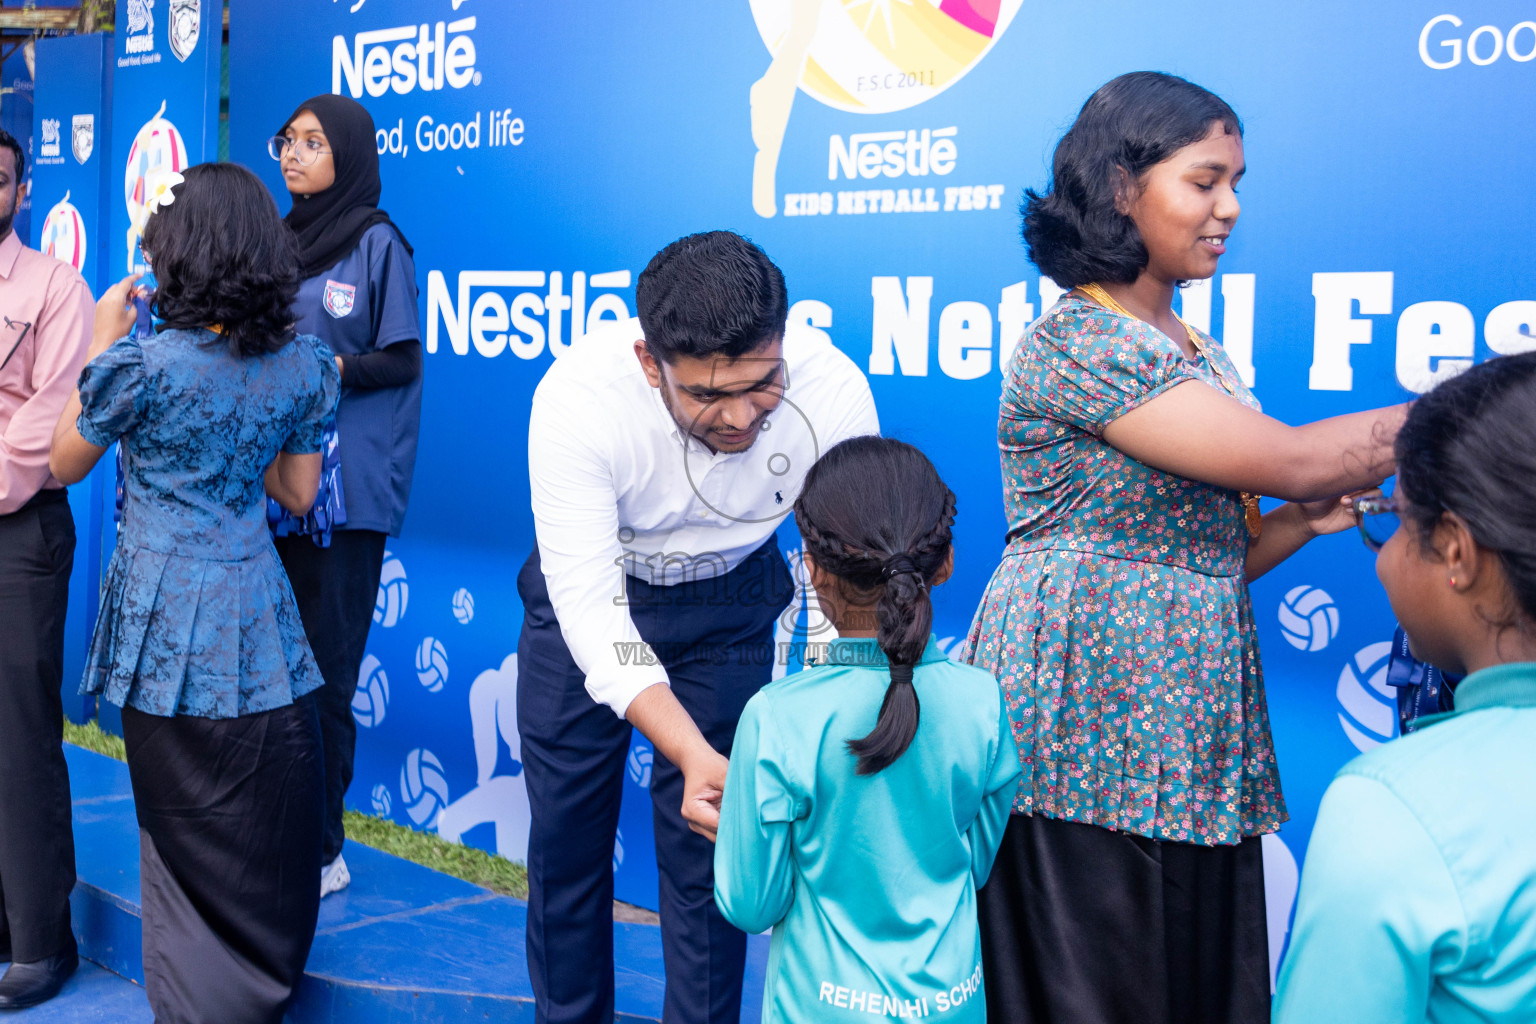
<point x="875" y="514"/>
<point x="1073" y="231"/>
<point x="222" y="255"/>
<point x="1465" y="448"/>
<point x="707" y="293"/>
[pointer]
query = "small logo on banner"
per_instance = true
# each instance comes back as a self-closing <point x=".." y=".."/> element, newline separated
<point x="50" y="146"/>
<point x="865" y="57"/>
<point x="82" y="136"/>
<point x="186" y="25"/>
<point x="382" y="804"/>
<point x="339" y="298"/>
<point x="141" y="26"/>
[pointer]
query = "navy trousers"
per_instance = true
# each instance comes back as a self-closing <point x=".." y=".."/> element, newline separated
<point x="715" y="638"/>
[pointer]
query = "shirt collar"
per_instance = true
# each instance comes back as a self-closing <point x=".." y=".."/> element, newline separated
<point x="866" y="651"/>
<point x="10" y="248"/>
<point x="1512" y="685"/>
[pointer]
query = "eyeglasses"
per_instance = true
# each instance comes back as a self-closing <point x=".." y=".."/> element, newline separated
<point x="305" y="151"/>
<point x="12" y="325"/>
<point x="1379" y="520"/>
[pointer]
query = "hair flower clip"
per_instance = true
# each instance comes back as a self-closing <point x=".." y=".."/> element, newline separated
<point x="160" y="193"/>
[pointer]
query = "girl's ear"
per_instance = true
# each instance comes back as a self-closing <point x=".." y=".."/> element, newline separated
<point x="946" y="570"/>
<point x="1125" y="191"/>
<point x="819" y="577"/>
<point x="1459" y="552"/>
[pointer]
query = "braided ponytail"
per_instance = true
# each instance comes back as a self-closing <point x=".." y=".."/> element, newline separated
<point x="875" y="514"/>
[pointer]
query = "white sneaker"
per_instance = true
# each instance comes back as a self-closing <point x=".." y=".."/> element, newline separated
<point x="334" y="877"/>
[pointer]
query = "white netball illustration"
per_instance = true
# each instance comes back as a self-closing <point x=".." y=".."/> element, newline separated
<point x="371" y="698"/>
<point x="63" y="235"/>
<point x="1309" y="619"/>
<point x="423" y="786"/>
<point x="1369" y="704"/>
<point x="432" y="664"/>
<point x="394" y="592"/>
<point x="158" y="151"/>
<point x="500" y="799"/>
<point x="463" y="606"/>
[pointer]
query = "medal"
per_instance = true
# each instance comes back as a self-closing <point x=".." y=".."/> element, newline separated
<point x="1253" y="519"/>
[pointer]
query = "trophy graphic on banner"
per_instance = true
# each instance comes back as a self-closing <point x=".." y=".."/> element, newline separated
<point x="158" y="153"/>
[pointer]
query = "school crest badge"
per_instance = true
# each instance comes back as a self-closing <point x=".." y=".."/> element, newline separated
<point x="186" y="24"/>
<point x="339" y="298"/>
<point x="82" y="136"/>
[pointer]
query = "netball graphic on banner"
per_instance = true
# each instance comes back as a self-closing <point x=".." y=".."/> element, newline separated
<point x="878" y="151"/>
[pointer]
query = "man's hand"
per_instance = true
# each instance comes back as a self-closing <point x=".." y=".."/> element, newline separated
<point x="703" y="786"/>
<point x="662" y="720"/>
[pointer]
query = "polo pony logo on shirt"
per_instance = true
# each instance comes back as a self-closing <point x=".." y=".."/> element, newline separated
<point x="339" y="298"/>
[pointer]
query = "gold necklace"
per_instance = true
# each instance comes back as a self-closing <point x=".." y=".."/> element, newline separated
<point x="1252" y="517"/>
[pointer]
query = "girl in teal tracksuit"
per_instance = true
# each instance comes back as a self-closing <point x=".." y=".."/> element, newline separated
<point x="866" y="797"/>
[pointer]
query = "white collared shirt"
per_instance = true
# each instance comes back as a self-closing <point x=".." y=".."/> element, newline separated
<point x="618" y="487"/>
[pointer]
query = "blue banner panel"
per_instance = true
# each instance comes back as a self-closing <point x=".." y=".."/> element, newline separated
<point x="69" y="186"/>
<point x="165" y="109"/>
<point x="879" y="152"/>
<point x="73" y="128"/>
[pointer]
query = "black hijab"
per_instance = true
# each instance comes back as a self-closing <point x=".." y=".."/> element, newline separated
<point x="329" y="224"/>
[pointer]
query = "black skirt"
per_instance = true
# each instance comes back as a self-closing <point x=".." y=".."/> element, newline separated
<point x="1081" y="925"/>
<point x="230" y="817"/>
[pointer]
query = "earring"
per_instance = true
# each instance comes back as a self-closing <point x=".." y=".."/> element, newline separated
<point x="1453" y="582"/>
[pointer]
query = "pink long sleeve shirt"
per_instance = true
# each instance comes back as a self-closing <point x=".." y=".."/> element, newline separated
<point x="36" y="382"/>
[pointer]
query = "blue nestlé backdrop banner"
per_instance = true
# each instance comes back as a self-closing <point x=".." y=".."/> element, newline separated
<point x="878" y="151"/>
<point x="70" y="188"/>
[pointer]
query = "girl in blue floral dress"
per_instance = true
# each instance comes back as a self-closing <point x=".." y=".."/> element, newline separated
<point x="1129" y="885"/>
<point x="198" y="640"/>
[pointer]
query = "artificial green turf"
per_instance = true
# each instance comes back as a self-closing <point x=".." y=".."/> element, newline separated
<point x="476" y="866"/>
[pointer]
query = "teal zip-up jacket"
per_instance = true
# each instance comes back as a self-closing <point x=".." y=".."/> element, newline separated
<point x="1418" y="896"/>
<point x="869" y="881"/>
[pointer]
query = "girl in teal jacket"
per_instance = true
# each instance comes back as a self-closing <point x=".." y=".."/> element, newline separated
<point x="866" y="797"/>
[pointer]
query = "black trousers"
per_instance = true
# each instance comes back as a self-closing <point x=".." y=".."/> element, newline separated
<point x="715" y="639"/>
<point x="335" y="589"/>
<point x="1081" y="925"/>
<point x="230" y="812"/>
<point x="37" y="842"/>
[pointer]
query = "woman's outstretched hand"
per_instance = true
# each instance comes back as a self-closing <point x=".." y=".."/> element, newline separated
<point x="115" y="315"/>
<point x="1334" y="515"/>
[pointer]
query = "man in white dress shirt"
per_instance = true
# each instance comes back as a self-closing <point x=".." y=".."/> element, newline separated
<point x="663" y="454"/>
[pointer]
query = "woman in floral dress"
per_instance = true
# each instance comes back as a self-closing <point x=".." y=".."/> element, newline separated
<point x="1130" y="884"/>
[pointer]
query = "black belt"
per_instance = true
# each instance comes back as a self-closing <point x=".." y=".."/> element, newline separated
<point x="47" y="496"/>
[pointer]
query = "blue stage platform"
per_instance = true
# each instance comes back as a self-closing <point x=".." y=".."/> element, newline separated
<point x="402" y="944"/>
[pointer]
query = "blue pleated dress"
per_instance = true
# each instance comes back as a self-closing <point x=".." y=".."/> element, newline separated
<point x="197" y="615"/>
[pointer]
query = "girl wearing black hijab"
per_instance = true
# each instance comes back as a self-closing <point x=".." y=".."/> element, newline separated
<point x="359" y="297"/>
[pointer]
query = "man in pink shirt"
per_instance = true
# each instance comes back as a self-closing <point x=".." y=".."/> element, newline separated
<point x="45" y="328"/>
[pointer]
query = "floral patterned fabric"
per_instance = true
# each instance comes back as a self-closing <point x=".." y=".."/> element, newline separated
<point x="197" y="616"/>
<point x="1118" y="624"/>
